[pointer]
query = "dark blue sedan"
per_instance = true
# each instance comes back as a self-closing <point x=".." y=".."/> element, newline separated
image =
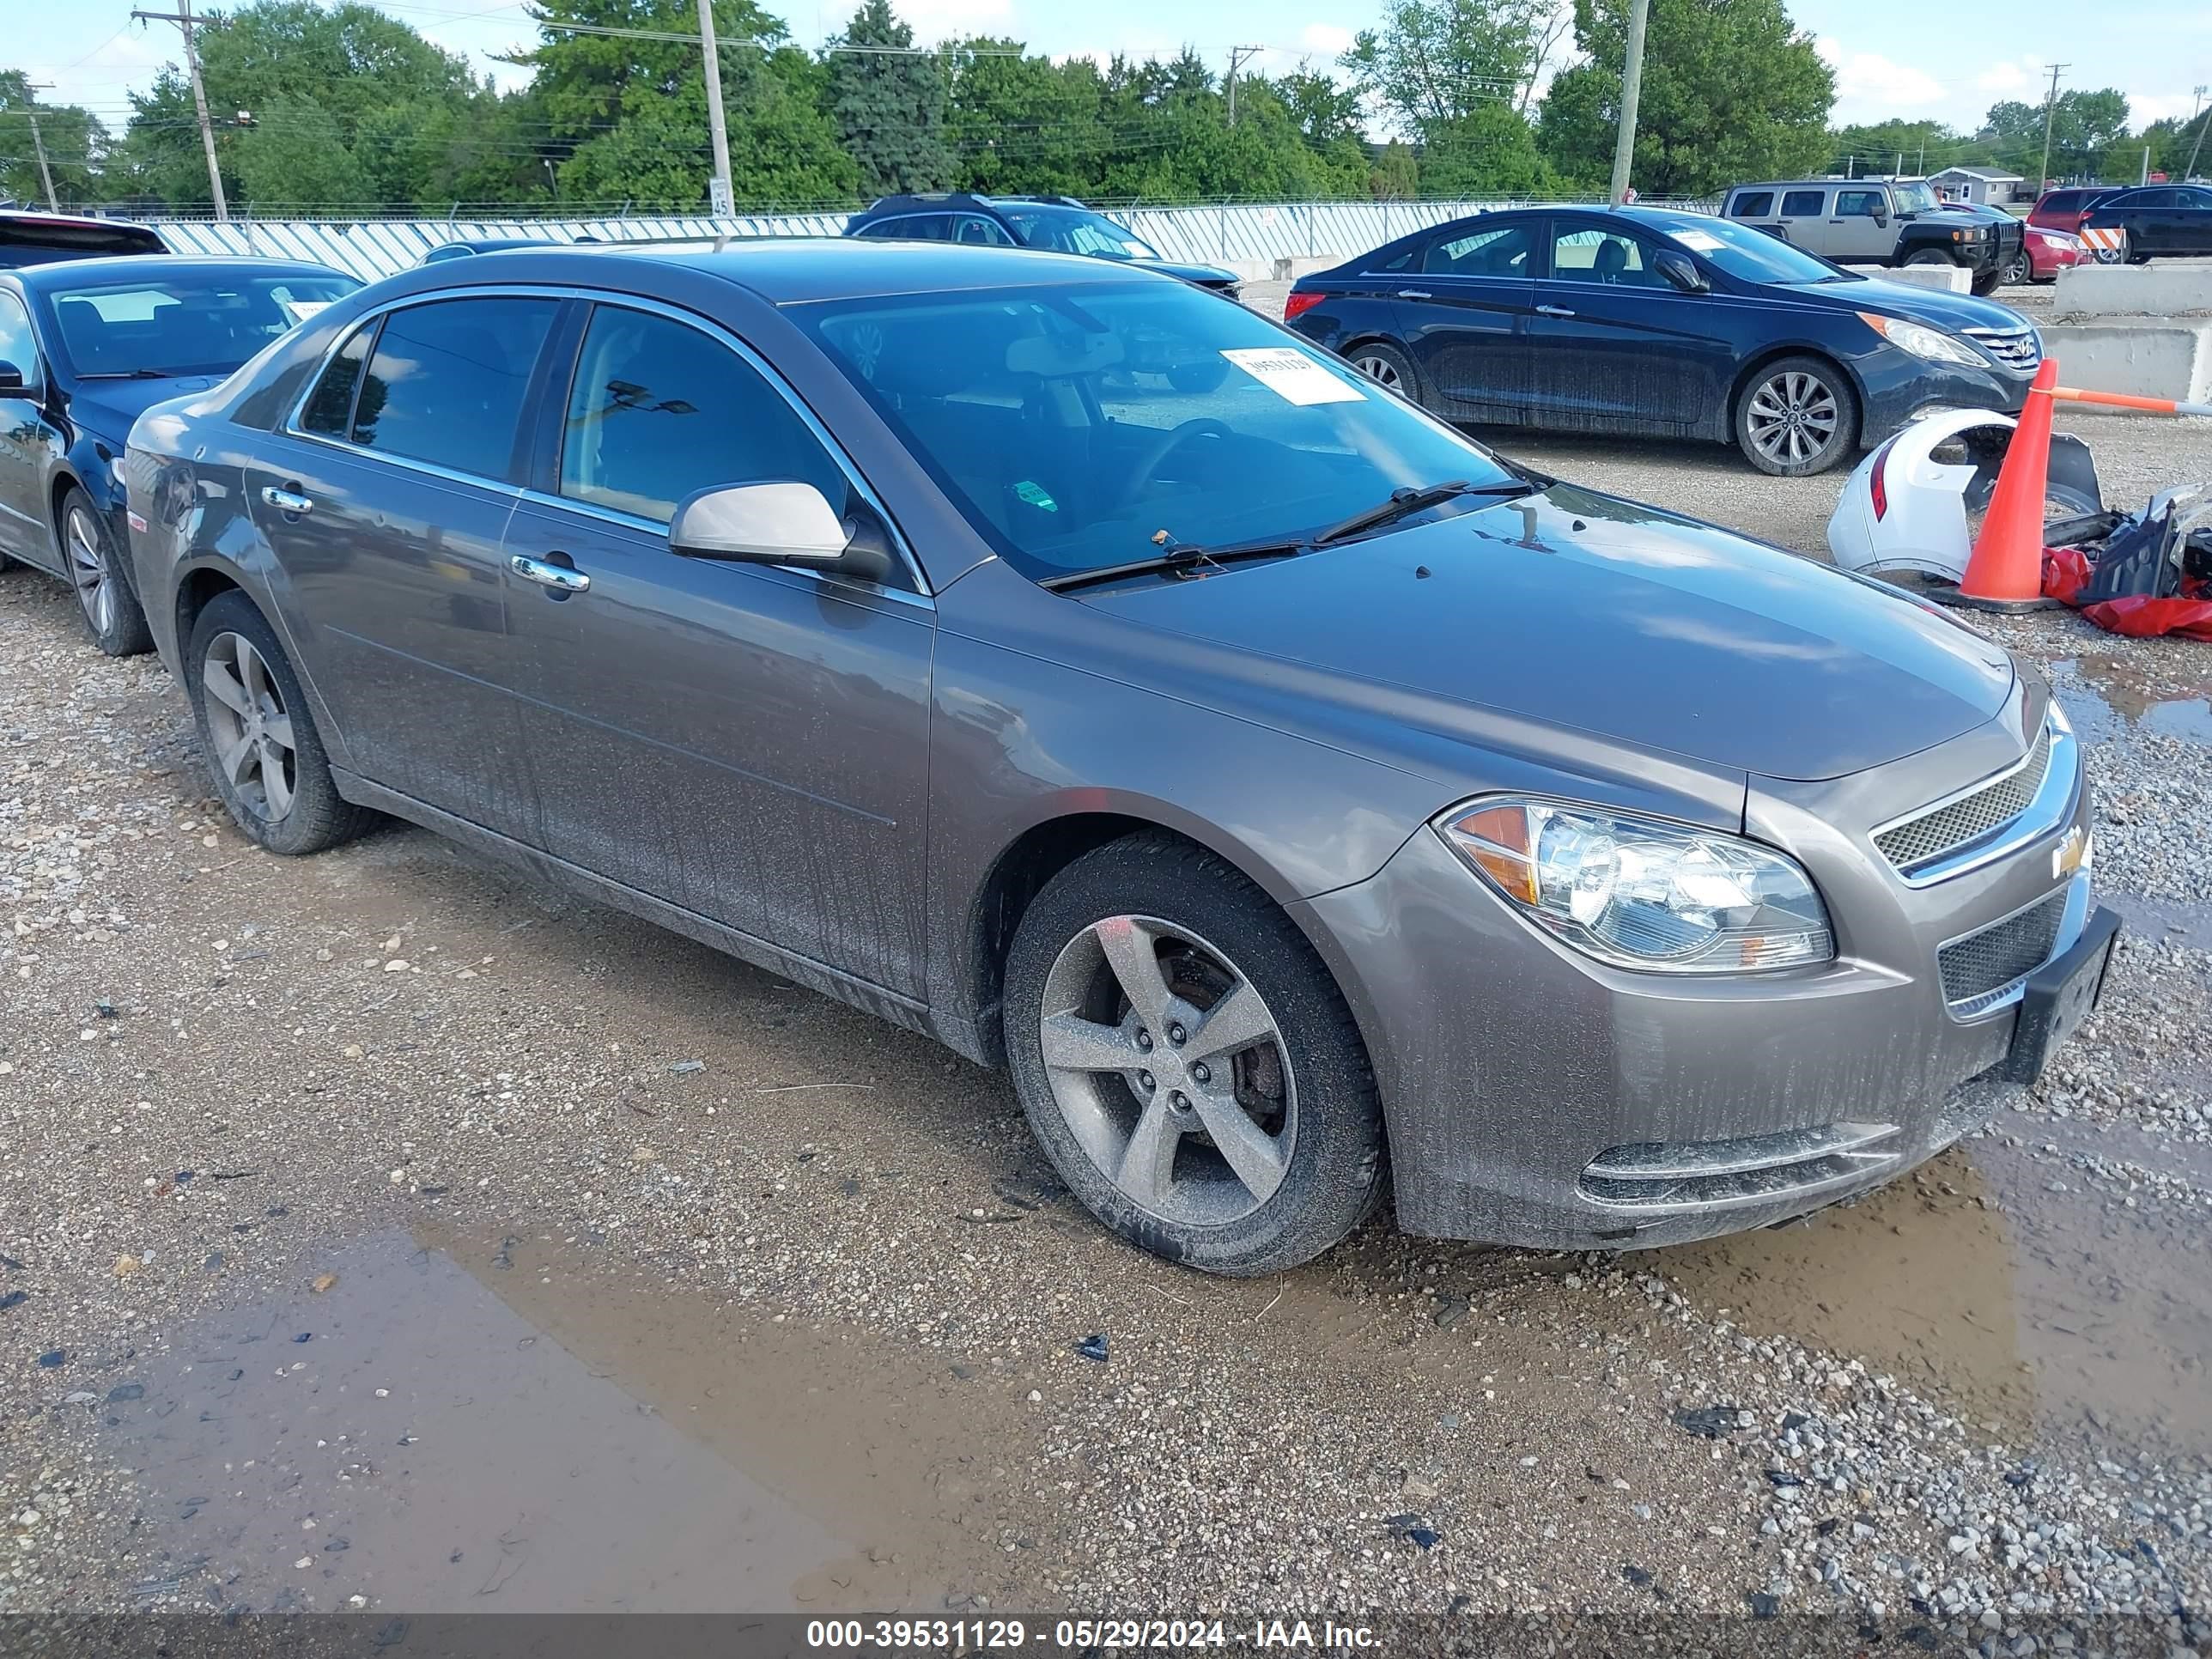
<point x="85" y="347"/>
<point x="1639" y="320"/>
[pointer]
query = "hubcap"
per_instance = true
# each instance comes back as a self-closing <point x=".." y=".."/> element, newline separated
<point x="1793" y="417"/>
<point x="1381" y="370"/>
<point x="88" y="573"/>
<point x="252" y="730"/>
<point x="1169" y="1068"/>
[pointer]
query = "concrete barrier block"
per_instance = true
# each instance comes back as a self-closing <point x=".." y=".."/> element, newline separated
<point x="2163" y="289"/>
<point x="2149" y="360"/>
<point x="1951" y="279"/>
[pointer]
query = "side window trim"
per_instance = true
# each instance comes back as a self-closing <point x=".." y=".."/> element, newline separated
<point x="546" y="459"/>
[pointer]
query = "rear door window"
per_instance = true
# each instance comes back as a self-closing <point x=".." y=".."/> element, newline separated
<point x="1499" y="252"/>
<point x="975" y="228"/>
<point x="1803" y="203"/>
<point x="447" y="381"/>
<point x="1752" y="204"/>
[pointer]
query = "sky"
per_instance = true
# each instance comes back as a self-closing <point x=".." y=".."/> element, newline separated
<point x="1893" y="57"/>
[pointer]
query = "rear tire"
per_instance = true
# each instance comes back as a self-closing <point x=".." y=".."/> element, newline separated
<point x="1797" y="416"/>
<point x="259" y="738"/>
<point x="1388" y="368"/>
<point x="93" y="565"/>
<point x="2018" y="273"/>
<point x="1243" y="1147"/>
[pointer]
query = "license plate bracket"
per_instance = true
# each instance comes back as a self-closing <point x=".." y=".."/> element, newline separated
<point x="2060" y="995"/>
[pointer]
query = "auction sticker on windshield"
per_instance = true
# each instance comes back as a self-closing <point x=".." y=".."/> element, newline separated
<point x="1293" y="376"/>
<point x="1704" y="240"/>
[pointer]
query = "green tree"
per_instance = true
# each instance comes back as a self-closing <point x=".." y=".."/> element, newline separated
<point x="1432" y="63"/>
<point x="1396" y="177"/>
<point x="1020" y="125"/>
<point x="887" y="100"/>
<point x="1489" y="151"/>
<point x="313" y="108"/>
<point x="625" y="118"/>
<point x="2085" y="125"/>
<point x="1926" y="146"/>
<point x="75" y="144"/>
<point x="1731" y="91"/>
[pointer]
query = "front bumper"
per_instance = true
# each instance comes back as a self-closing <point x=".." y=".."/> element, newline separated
<point x="1898" y="388"/>
<point x="1527" y="1088"/>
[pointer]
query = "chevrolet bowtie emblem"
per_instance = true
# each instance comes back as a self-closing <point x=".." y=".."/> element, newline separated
<point x="2070" y="854"/>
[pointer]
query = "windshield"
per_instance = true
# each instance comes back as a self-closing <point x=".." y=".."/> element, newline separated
<point x="1076" y="230"/>
<point x="1093" y="425"/>
<point x="1913" y="198"/>
<point x="1752" y="256"/>
<point x="199" y="325"/>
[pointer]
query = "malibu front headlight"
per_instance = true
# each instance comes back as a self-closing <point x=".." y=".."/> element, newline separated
<point x="1921" y="341"/>
<point x="1640" y="893"/>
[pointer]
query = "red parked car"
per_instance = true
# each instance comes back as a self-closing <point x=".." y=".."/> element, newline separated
<point x="2064" y="209"/>
<point x="2050" y="252"/>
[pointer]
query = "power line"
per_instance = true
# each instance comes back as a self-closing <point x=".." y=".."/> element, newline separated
<point x="182" y="18"/>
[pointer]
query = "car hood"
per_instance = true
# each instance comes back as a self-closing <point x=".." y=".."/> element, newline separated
<point x="1211" y="275"/>
<point x="1584" y="611"/>
<point x="107" y="408"/>
<point x="1953" y="312"/>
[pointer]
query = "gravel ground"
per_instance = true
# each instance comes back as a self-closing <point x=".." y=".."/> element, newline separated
<point x="397" y="1116"/>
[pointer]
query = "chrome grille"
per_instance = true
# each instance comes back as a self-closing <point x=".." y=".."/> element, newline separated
<point x="1936" y="834"/>
<point x="2015" y="348"/>
<point x="2003" y="953"/>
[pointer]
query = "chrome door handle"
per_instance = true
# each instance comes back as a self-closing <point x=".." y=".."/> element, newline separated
<point x="286" y="500"/>
<point x="1415" y="293"/>
<point x="558" y="577"/>
<point x="1553" y="311"/>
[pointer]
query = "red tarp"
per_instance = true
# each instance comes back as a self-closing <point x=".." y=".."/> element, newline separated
<point x="2066" y="571"/>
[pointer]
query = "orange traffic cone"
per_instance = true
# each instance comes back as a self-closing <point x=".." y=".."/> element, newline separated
<point x="2006" y="570"/>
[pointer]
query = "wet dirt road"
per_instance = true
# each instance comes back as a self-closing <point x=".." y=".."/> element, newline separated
<point x="632" y="1278"/>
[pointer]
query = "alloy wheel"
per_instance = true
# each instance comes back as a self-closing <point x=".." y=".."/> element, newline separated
<point x="1169" y="1070"/>
<point x="2017" y="270"/>
<point x="251" y="727"/>
<point x="1793" y="417"/>
<point x="88" y="573"/>
<point x="1382" y="371"/>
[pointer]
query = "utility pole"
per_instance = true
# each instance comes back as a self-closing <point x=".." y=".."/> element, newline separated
<point x="45" y="173"/>
<point x="182" y="18"/>
<point x="1898" y="173"/>
<point x="1238" y="57"/>
<point x="2049" y="109"/>
<point x="1631" y="89"/>
<point x="720" y="201"/>
<point x="2190" y="171"/>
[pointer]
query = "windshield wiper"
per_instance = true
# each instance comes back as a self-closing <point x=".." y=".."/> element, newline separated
<point x="127" y="374"/>
<point x="1179" y="562"/>
<point x="1404" y="503"/>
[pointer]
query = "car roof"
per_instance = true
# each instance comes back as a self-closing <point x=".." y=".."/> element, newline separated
<point x="804" y="270"/>
<point x="69" y="221"/>
<point x="154" y="267"/>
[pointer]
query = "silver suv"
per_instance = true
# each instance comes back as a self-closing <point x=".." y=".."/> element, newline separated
<point x="1873" y="221"/>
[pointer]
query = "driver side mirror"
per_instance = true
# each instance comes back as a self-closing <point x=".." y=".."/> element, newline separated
<point x="11" y="381"/>
<point x="779" y="523"/>
<point x="1881" y="216"/>
<point x="1682" y="271"/>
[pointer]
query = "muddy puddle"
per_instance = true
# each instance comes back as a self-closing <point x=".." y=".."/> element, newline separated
<point x="2106" y="695"/>
<point x="484" y="1424"/>
<point x="2012" y="1289"/>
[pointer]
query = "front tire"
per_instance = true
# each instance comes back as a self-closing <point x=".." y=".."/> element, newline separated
<point x="94" y="566"/>
<point x="257" y="735"/>
<point x="1798" y="417"/>
<point x="1929" y="256"/>
<point x="1187" y="1062"/>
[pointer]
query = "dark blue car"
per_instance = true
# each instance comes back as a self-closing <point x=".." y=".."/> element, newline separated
<point x="1639" y="320"/>
<point x="85" y="347"/>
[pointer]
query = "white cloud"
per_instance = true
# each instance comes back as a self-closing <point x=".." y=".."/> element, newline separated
<point x="2144" y="107"/>
<point x="1326" y="39"/>
<point x="2011" y="77"/>
<point x="1867" y="81"/>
